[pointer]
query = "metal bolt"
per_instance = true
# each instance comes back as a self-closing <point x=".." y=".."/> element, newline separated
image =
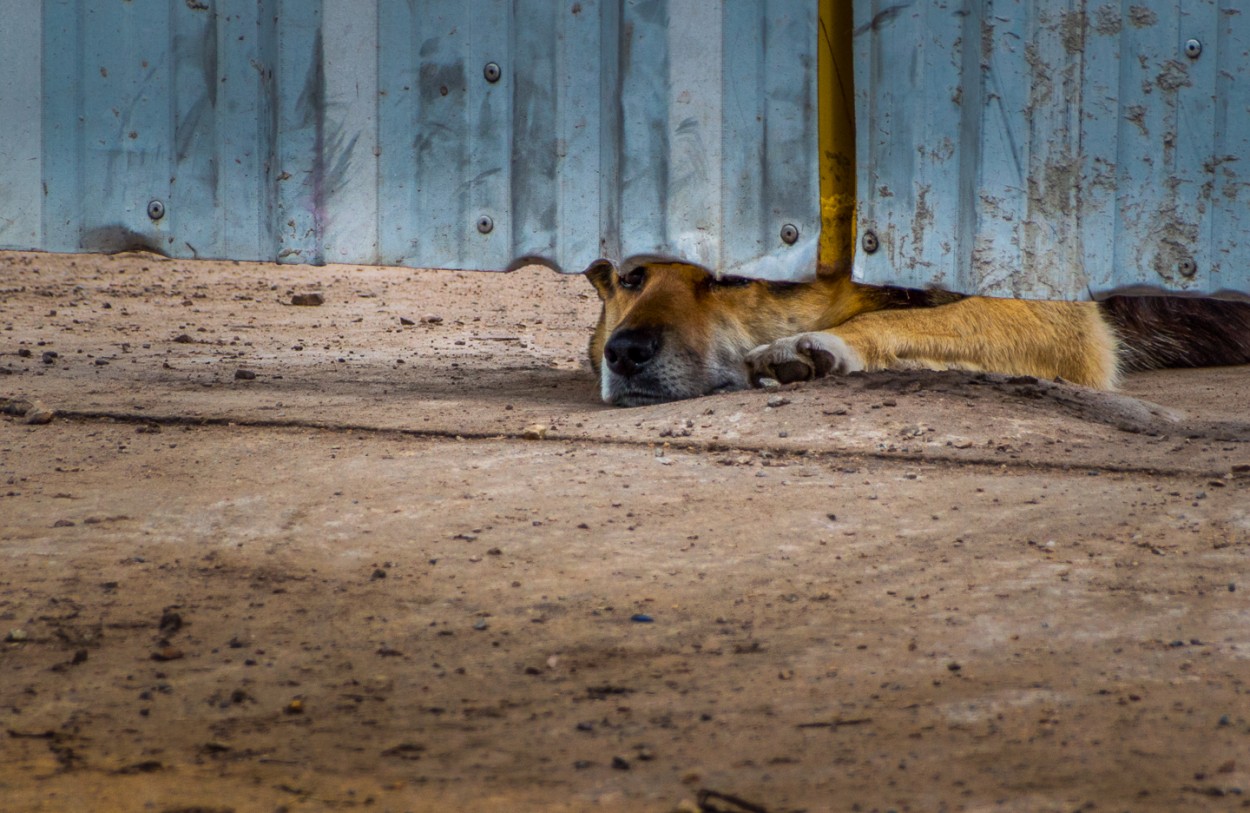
<point x="870" y="242"/>
<point x="156" y="209"/>
<point x="1187" y="268"/>
<point x="789" y="234"/>
<point x="492" y="72"/>
<point x="485" y="225"/>
<point x="1193" y="48"/>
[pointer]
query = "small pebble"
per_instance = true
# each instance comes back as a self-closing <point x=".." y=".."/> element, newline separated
<point x="480" y="624"/>
<point x="296" y="706"/>
<point x="379" y="684"/>
<point x="406" y="322"/>
<point x="16" y="636"/>
<point x="38" y="414"/>
<point x="641" y="618"/>
<point x="620" y="764"/>
<point x="170" y="622"/>
<point x="308" y="300"/>
<point x="244" y="375"/>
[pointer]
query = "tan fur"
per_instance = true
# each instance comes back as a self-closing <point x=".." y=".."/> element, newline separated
<point x="1066" y="340"/>
<point x="699" y="334"/>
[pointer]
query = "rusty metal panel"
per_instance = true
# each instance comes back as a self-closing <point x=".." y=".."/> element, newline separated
<point x="1027" y="148"/>
<point x="477" y="135"/>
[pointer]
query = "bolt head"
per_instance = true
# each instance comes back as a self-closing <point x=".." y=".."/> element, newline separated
<point x="789" y="234"/>
<point x="485" y="225"/>
<point x="1193" y="48"/>
<point x="156" y="209"/>
<point x="870" y="242"/>
<point x="492" y="72"/>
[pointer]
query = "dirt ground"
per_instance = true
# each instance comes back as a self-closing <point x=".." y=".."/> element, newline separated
<point x="390" y="553"/>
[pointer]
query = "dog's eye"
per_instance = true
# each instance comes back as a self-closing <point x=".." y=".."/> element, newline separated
<point x="633" y="278"/>
<point x="731" y="282"/>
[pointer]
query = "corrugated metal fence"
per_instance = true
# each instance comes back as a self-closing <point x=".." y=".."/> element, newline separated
<point x="1017" y="147"/>
<point x="479" y="134"/>
<point x="1033" y="148"/>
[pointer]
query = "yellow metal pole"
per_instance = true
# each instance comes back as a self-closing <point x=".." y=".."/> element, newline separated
<point x="836" y="114"/>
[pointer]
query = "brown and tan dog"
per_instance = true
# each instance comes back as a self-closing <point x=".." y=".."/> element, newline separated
<point x="670" y="330"/>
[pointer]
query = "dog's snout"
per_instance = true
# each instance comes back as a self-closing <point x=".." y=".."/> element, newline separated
<point x="630" y="350"/>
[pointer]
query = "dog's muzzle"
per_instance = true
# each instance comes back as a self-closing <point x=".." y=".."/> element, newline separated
<point x="629" y="352"/>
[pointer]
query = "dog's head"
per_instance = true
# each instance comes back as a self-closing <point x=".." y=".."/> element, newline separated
<point x="670" y="330"/>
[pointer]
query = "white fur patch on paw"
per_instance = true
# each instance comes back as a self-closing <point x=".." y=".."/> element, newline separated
<point x="801" y="358"/>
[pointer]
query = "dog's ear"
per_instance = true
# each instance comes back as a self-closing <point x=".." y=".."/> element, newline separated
<point x="600" y="275"/>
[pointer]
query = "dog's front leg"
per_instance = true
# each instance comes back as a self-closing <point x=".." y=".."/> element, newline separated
<point x="803" y="357"/>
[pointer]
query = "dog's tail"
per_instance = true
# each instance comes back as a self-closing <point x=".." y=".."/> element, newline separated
<point x="1178" y="331"/>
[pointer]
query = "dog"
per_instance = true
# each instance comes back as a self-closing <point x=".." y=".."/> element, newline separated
<point x="669" y="331"/>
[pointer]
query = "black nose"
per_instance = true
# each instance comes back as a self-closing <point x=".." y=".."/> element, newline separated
<point x="630" y="350"/>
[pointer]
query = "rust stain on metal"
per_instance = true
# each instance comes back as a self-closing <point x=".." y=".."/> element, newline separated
<point x="1072" y="28"/>
<point x="1107" y="20"/>
<point x="922" y="220"/>
<point x="1141" y="16"/>
<point x="1173" y="76"/>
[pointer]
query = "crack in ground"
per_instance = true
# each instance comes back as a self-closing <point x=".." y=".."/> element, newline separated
<point x="705" y="447"/>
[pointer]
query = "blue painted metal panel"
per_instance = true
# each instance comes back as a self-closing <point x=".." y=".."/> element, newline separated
<point x="369" y="132"/>
<point x="1028" y="148"/>
<point x="21" y="142"/>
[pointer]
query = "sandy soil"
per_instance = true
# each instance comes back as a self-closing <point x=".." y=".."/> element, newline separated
<point x="389" y="552"/>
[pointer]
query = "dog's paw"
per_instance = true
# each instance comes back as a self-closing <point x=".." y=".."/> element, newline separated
<point x="801" y="358"/>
